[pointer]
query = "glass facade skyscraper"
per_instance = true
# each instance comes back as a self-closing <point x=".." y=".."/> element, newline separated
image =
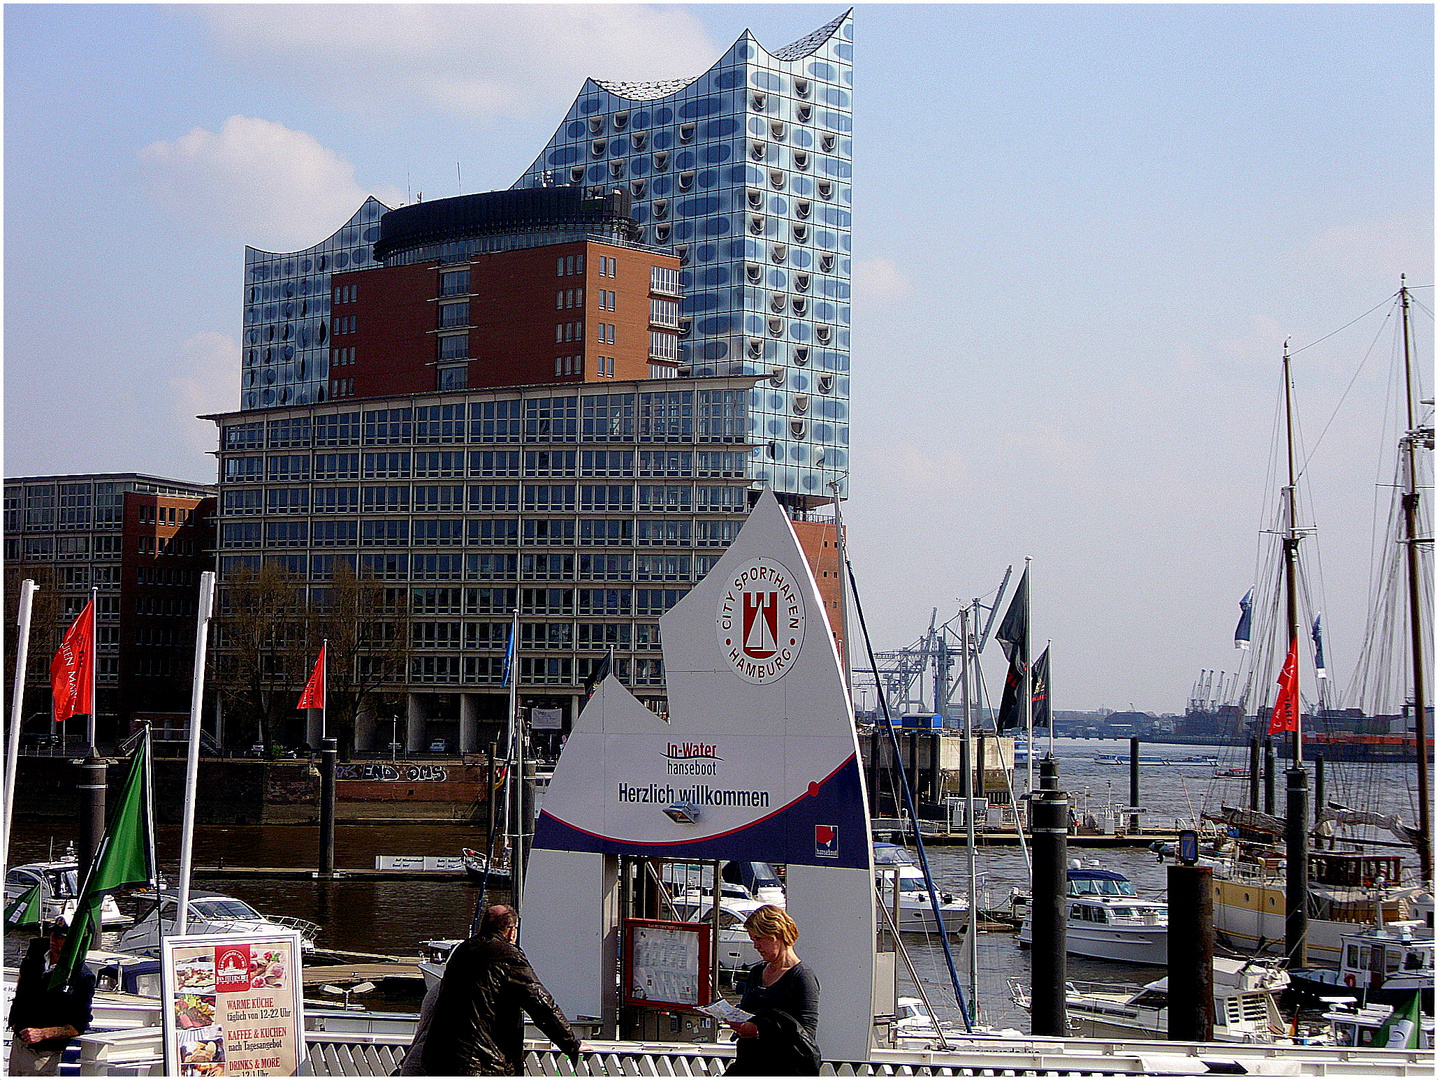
<point x="744" y="172"/>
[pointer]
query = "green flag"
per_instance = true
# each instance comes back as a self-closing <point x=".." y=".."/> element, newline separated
<point x="27" y="910"/>
<point x="122" y="859"/>
<point x="1400" y="1031"/>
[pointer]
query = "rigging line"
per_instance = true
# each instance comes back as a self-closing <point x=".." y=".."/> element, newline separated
<point x="1368" y="355"/>
<point x="1345" y="326"/>
<point x="908" y="799"/>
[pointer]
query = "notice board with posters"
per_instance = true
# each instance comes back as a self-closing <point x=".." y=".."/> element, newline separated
<point x="233" y="1004"/>
<point x="666" y="963"/>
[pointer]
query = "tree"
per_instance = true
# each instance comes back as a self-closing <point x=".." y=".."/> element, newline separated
<point x="44" y="634"/>
<point x="260" y="646"/>
<point x="366" y="626"/>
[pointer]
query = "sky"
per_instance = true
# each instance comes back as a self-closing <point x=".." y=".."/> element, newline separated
<point x="1082" y="235"/>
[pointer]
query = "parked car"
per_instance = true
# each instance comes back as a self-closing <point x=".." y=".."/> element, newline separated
<point x="439" y="746"/>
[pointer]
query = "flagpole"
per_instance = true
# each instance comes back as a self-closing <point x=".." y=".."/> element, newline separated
<point x="325" y="689"/>
<point x="17" y="713"/>
<point x="12" y="746"/>
<point x="1049" y="693"/>
<point x="1028" y="682"/>
<point x="192" y="758"/>
<point x="90" y="728"/>
<point x="514" y="804"/>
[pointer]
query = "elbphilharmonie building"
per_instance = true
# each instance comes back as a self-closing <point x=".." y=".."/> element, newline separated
<point x="745" y="173"/>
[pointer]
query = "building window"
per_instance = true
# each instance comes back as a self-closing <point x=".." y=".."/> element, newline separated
<point x="451" y="315"/>
<point x="336" y="466"/>
<point x="494" y="498"/>
<point x="335" y="500"/>
<point x="606" y="531"/>
<point x="454" y="282"/>
<point x="337" y="429"/>
<point x="441" y="531"/>
<point x="454" y="347"/>
<point x="663" y="346"/>
<point x="439" y="462"/>
<point x="236" y="469"/>
<point x="665" y="531"/>
<point x="386" y="464"/>
<point x="494" y="462"/>
<point x="609" y="497"/>
<point x="334" y="533"/>
<point x="243" y="501"/>
<point x="388" y="426"/>
<point x="287" y="500"/>
<point x="548" y="531"/>
<point x="452" y="378"/>
<point x="438" y="498"/>
<point x="493" y="530"/>
<point x="385" y="499"/>
<point x="495" y="421"/>
<point x="655" y="601"/>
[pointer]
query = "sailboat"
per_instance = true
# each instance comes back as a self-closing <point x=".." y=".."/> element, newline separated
<point x="1271" y="888"/>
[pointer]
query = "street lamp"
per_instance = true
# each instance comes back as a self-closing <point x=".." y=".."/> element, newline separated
<point x="393" y="737"/>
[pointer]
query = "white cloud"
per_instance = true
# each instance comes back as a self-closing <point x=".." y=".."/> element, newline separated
<point x="482" y="60"/>
<point x="277" y="186"/>
<point x="209" y="367"/>
<point x="880" y="281"/>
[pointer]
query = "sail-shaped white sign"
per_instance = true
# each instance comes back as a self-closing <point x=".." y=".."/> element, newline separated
<point x="758" y="761"/>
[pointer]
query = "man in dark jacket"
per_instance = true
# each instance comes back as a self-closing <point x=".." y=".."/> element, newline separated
<point x="45" y="1020"/>
<point x="477" y="1028"/>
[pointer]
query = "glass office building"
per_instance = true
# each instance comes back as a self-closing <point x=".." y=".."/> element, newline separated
<point x="744" y="172"/>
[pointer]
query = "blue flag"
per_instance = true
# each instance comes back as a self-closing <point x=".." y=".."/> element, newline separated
<point x="1243" y="635"/>
<point x="1320" y="668"/>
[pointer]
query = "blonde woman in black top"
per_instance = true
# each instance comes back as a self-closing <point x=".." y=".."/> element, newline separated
<point x="783" y="995"/>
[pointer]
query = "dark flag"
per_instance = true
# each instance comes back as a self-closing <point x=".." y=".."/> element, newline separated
<point x="1013" y="633"/>
<point x="599" y="674"/>
<point x="1009" y="712"/>
<point x="1039" y="684"/>
<point x="1243" y="632"/>
<point x="1319" y="667"/>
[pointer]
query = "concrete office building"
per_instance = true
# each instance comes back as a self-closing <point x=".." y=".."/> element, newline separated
<point x="141" y="543"/>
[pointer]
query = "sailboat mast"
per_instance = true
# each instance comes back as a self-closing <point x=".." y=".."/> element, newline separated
<point x="1295" y="921"/>
<point x="1415" y="595"/>
<point x="1291" y="538"/>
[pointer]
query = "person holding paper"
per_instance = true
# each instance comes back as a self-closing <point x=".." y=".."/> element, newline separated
<point x="782" y="995"/>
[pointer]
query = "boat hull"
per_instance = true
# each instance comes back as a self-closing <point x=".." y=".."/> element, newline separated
<point x="1249" y="917"/>
<point x="1143" y="944"/>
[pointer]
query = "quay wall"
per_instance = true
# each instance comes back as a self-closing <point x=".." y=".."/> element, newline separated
<point x="243" y="791"/>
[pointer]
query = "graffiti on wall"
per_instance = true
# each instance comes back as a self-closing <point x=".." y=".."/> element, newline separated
<point x="399" y="771"/>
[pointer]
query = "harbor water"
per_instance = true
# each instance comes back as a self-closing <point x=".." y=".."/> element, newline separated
<point x="393" y="917"/>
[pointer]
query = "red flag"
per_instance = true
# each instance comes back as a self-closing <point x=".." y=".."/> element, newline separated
<point x="72" y="670"/>
<point x="314" y="695"/>
<point x="1285" y="708"/>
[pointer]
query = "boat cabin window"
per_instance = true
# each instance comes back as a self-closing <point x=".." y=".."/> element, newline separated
<point x="1106" y="887"/>
<point x="1352" y="958"/>
<point x="1152" y="998"/>
<point x="63" y="883"/>
<point x="1122" y="913"/>
<point x="20" y="877"/>
<point x="1413" y="961"/>
<point x="228" y="908"/>
<point x="1391" y="960"/>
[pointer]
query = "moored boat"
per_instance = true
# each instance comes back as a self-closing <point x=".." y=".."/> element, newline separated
<point x="207" y="913"/>
<point x="59" y="883"/>
<point x="915" y="905"/>
<point x="1107" y="920"/>
<point x="1245" y="1007"/>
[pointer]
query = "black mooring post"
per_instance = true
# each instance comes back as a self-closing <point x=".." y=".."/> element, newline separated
<point x="92" y="808"/>
<point x="1133" y="783"/>
<point x="1190" y="954"/>
<point x="1295" y="922"/>
<point x="936" y="781"/>
<point x="1317" y="796"/>
<point x="1253" y="773"/>
<point x="1270" y="777"/>
<point x="1049" y="817"/>
<point x="874" y="752"/>
<point x="329" y="752"/>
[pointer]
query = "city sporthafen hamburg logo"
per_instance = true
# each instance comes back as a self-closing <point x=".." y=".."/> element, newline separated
<point x="760" y="621"/>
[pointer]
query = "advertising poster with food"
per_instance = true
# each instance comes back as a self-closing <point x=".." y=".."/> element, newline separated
<point x="233" y="1005"/>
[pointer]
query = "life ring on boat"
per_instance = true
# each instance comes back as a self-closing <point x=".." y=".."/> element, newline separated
<point x="1350" y="980"/>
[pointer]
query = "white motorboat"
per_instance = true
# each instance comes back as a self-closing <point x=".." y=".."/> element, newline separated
<point x="1360" y="1025"/>
<point x="59" y="883"/>
<point x="1245" y="1007"/>
<point x="1381" y="965"/>
<point x="915" y="906"/>
<point x="1108" y="921"/>
<point x="207" y="913"/>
